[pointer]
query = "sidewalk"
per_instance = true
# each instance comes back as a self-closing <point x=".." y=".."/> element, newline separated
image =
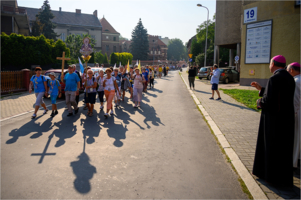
<point x="239" y="125"/>
<point x="19" y="103"/>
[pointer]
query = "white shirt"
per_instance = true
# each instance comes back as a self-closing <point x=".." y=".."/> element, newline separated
<point x="215" y="76"/>
<point x="297" y="93"/>
<point x="110" y="83"/>
<point x="100" y="83"/>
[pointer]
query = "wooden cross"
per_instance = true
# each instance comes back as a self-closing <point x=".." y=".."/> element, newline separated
<point x="45" y="149"/>
<point x="63" y="63"/>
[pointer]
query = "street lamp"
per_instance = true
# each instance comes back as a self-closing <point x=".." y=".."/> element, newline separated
<point x="200" y="5"/>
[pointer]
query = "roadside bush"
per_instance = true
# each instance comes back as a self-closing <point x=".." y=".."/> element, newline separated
<point x="19" y="51"/>
<point x="121" y="57"/>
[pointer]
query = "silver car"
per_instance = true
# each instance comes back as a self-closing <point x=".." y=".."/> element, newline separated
<point x="204" y="72"/>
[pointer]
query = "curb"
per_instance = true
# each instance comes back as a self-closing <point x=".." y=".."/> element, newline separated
<point x="242" y="171"/>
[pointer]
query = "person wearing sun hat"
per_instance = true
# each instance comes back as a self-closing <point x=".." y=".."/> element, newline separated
<point x="274" y="150"/>
<point x="294" y="70"/>
<point x="54" y="90"/>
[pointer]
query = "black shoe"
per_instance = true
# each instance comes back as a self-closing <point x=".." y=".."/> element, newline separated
<point x="70" y="114"/>
<point x="211" y="98"/>
<point x="56" y="112"/>
<point x="52" y="114"/>
<point x="76" y="111"/>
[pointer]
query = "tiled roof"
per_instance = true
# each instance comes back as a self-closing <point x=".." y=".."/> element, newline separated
<point x="68" y="18"/>
<point x="107" y="27"/>
<point x="161" y="43"/>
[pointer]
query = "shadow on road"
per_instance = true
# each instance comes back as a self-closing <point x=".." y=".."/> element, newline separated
<point x="238" y="106"/>
<point x="150" y="115"/>
<point x="200" y="91"/>
<point x="28" y="128"/>
<point x="91" y="128"/>
<point x="83" y="171"/>
<point x="115" y="130"/>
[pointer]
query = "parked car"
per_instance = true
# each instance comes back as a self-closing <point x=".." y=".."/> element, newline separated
<point x="229" y="75"/>
<point x="204" y="72"/>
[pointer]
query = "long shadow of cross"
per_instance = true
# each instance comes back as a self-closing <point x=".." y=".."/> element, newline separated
<point x="45" y="149"/>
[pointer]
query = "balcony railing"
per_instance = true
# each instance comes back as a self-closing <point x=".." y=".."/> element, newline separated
<point x="12" y="9"/>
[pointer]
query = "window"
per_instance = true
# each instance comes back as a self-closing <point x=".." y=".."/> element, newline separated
<point x="114" y="39"/>
<point x="107" y="47"/>
<point x="234" y="71"/>
<point x="159" y="52"/>
<point x="93" y="37"/>
<point x="151" y="52"/>
<point x="114" y="48"/>
<point x="155" y="52"/>
<point x="107" y="37"/>
<point x="62" y="37"/>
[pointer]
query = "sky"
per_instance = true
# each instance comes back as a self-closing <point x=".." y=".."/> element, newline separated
<point x="166" y="18"/>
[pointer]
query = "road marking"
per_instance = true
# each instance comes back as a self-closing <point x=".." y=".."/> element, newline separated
<point x="242" y="171"/>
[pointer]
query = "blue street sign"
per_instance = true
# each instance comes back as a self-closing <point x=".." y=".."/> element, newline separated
<point x="190" y="59"/>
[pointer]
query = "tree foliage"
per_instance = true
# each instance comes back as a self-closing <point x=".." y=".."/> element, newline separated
<point x="43" y="24"/>
<point x="106" y="60"/>
<point x="99" y="57"/>
<point x="121" y="57"/>
<point x="74" y="43"/>
<point x="21" y="51"/>
<point x="176" y="50"/>
<point x="198" y="46"/>
<point x="140" y="46"/>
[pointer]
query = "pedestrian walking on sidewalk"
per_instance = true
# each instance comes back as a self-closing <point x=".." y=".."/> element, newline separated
<point x="214" y="81"/>
<point x="191" y="76"/>
<point x="274" y="150"/>
<point x="39" y="83"/>
<point x="100" y="89"/>
<point x="138" y="88"/>
<point x="54" y="90"/>
<point x="294" y="70"/>
<point x="72" y="86"/>
<point x="110" y="85"/>
<point x="90" y="88"/>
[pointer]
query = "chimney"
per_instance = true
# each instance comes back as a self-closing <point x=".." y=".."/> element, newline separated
<point x="95" y="13"/>
<point x="60" y="9"/>
<point x="77" y="11"/>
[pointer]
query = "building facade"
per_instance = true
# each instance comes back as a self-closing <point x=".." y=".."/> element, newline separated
<point x="258" y="30"/>
<point x="14" y="19"/>
<point x="157" y="49"/>
<point x="68" y="23"/>
<point x="110" y="38"/>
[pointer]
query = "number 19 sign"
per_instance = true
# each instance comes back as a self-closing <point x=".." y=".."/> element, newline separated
<point x="250" y="15"/>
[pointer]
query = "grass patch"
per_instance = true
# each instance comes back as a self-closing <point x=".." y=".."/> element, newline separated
<point x="246" y="97"/>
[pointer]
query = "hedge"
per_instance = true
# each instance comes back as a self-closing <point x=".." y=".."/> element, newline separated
<point x="121" y="57"/>
<point x="19" y="51"/>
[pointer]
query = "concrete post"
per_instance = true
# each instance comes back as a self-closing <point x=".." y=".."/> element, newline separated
<point x="231" y="51"/>
<point x="26" y="78"/>
<point x="216" y="60"/>
<point x="238" y="53"/>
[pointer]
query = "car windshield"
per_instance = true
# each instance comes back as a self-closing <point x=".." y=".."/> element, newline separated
<point x="203" y="69"/>
<point x="57" y="75"/>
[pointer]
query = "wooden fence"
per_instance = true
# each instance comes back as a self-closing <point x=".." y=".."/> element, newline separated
<point x="12" y="81"/>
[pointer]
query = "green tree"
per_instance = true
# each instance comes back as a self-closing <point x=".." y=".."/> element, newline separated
<point x="74" y="43"/>
<point x="105" y="61"/>
<point x="43" y="24"/>
<point x="176" y="50"/>
<point x="140" y="45"/>
<point x="99" y="57"/>
<point x="196" y="49"/>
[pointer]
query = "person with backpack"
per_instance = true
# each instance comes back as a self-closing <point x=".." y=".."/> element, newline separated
<point x="90" y="88"/>
<point x="138" y="87"/>
<point x="100" y="89"/>
<point x="110" y="85"/>
<point x="54" y="90"/>
<point x="118" y="79"/>
<point x="39" y="83"/>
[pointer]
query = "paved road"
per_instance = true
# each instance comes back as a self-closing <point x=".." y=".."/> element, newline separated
<point x="162" y="150"/>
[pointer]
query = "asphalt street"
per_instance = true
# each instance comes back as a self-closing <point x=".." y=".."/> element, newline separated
<point x="162" y="150"/>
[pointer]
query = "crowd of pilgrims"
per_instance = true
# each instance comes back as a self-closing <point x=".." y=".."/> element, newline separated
<point x="108" y="84"/>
